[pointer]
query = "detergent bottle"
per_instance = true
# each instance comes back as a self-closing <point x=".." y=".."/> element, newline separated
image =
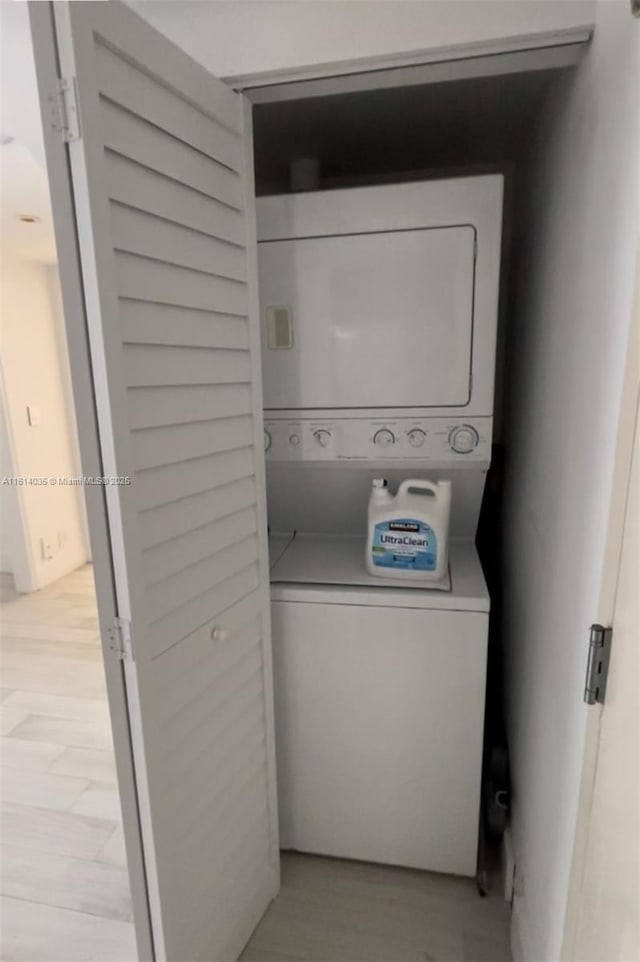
<point x="408" y="533"/>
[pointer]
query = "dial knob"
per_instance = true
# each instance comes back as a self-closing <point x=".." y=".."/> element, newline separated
<point x="323" y="438"/>
<point x="416" y="437"/>
<point x="294" y="439"/>
<point x="463" y="439"/>
<point x="267" y="440"/>
<point x="384" y="438"/>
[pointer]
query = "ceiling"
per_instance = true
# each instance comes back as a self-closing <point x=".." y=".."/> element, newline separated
<point x="24" y="186"/>
<point x="239" y="37"/>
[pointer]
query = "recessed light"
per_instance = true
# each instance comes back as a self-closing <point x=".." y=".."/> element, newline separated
<point x="29" y="218"/>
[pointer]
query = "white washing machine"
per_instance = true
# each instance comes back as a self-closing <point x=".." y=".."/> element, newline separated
<point x="379" y="311"/>
<point x="379" y="701"/>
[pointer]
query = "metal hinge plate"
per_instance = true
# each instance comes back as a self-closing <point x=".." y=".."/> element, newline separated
<point x="64" y="110"/>
<point x="595" y="684"/>
<point x="120" y="639"/>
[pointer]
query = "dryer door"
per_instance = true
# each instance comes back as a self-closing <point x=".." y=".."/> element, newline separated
<point x="373" y="320"/>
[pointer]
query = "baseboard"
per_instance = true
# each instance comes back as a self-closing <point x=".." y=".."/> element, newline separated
<point x="7" y="584"/>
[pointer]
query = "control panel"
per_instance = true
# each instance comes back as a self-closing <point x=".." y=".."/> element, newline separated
<point x="450" y="440"/>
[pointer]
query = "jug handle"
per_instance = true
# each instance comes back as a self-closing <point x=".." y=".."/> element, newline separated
<point x="418" y="485"/>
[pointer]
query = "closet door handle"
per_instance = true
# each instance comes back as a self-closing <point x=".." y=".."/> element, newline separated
<point x="219" y="633"/>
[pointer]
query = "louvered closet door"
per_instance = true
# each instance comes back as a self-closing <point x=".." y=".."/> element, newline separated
<point x="164" y="204"/>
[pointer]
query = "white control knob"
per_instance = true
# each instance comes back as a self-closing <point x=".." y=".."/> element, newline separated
<point x="416" y="437"/>
<point x="384" y="437"/>
<point x="294" y="439"/>
<point x="463" y="439"/>
<point x="323" y="438"/>
<point x="267" y="440"/>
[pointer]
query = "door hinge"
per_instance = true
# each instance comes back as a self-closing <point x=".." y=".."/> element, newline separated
<point x="595" y="684"/>
<point x="65" y="117"/>
<point x="120" y="639"/>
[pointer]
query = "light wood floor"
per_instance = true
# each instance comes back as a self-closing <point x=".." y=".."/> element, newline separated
<point x="65" y="892"/>
<point x="337" y="911"/>
<point x="65" y="889"/>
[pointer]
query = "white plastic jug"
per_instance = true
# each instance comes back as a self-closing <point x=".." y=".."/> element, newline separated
<point x="408" y="533"/>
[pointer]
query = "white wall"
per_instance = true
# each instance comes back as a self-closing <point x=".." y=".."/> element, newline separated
<point x="6" y="500"/>
<point x="567" y="359"/>
<point x="35" y="372"/>
<point x="13" y="556"/>
<point x="232" y="37"/>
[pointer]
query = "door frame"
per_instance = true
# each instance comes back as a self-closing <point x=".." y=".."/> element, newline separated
<point x="45" y="50"/>
<point x="620" y="492"/>
<point x="533" y="51"/>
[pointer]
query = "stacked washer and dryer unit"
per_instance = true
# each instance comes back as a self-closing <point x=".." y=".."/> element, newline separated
<point x="379" y="314"/>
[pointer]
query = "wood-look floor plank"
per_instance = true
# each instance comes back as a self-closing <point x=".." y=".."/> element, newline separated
<point x="28" y="755"/>
<point x="98" y="888"/>
<point x="59" y="832"/>
<point x="41" y="789"/>
<point x="57" y="817"/>
<point x="10" y="718"/>
<point x="33" y="932"/>
<point x="29" y="651"/>
<point x="113" y="850"/>
<point x="61" y="678"/>
<point x="99" y="799"/>
<point x="59" y="706"/>
<point x="91" y="763"/>
<point x="344" y="911"/>
<point x="40" y="628"/>
<point x="65" y="731"/>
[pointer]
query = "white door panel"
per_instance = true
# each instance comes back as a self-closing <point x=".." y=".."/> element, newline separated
<point x="163" y="193"/>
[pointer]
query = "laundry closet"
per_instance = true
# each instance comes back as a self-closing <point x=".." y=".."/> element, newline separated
<point x="279" y="308"/>
<point x="379" y="289"/>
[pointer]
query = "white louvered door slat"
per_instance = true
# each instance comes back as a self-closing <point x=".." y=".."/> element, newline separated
<point x="163" y="193"/>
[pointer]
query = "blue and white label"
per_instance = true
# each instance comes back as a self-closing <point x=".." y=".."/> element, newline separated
<point x="404" y="543"/>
